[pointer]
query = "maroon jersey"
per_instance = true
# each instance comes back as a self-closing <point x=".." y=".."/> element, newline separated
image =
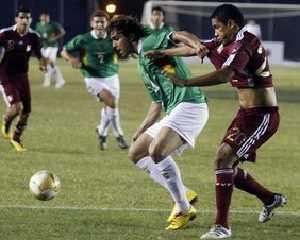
<point x="18" y="50"/>
<point x="246" y="56"/>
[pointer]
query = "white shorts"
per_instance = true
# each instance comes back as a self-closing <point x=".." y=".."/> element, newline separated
<point x="186" y="119"/>
<point x="50" y="53"/>
<point x="96" y="85"/>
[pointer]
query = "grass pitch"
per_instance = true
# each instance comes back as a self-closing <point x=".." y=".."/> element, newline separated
<point x="103" y="194"/>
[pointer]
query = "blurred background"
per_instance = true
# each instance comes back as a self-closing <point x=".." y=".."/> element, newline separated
<point x="278" y="20"/>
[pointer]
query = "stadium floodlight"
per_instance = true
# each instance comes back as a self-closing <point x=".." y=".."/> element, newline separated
<point x="111" y="8"/>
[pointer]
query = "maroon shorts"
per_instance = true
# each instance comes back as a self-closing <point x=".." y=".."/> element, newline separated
<point x="15" y="88"/>
<point x="250" y="129"/>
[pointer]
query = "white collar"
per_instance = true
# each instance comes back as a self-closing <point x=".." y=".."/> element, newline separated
<point x="160" y="27"/>
<point x="96" y="37"/>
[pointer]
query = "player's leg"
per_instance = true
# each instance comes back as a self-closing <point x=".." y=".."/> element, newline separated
<point x="24" y="91"/>
<point x="49" y="69"/>
<point x="114" y="87"/>
<point x="224" y="187"/>
<point x="13" y="107"/>
<point x="57" y="75"/>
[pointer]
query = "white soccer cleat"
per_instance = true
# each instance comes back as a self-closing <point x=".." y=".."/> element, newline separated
<point x="267" y="211"/>
<point x="217" y="232"/>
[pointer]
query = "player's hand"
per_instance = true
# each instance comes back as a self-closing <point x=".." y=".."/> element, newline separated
<point x="138" y="133"/>
<point x="201" y="51"/>
<point x="153" y="53"/>
<point x="176" y="80"/>
<point x="75" y="62"/>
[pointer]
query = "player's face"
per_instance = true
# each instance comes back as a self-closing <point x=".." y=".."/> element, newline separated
<point x="99" y="23"/>
<point x="44" y="18"/>
<point x="121" y="43"/>
<point x="157" y="17"/>
<point x="223" y="32"/>
<point x="23" y="21"/>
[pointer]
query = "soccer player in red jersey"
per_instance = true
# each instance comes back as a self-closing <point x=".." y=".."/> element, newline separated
<point x="240" y="59"/>
<point x="19" y="43"/>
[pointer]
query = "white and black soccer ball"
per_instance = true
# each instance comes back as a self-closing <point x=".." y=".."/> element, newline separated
<point x="44" y="185"/>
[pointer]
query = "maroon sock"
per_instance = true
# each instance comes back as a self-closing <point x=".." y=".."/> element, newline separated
<point x="244" y="181"/>
<point x="8" y="121"/>
<point x="224" y="188"/>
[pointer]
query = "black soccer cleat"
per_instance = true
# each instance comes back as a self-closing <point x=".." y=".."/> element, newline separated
<point x="122" y="142"/>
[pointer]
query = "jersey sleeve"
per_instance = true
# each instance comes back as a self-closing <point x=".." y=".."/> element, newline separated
<point x="74" y="44"/>
<point x="238" y="59"/>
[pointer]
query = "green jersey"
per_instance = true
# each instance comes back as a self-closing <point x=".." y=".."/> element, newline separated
<point x="152" y="69"/>
<point x="97" y="55"/>
<point x="47" y="31"/>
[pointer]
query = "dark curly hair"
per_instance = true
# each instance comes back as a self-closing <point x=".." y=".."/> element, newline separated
<point x="128" y="26"/>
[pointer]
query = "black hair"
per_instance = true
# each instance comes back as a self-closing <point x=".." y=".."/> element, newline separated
<point x="44" y="12"/>
<point x="128" y="26"/>
<point x="100" y="13"/>
<point x="22" y="9"/>
<point x="159" y="9"/>
<point x="225" y="12"/>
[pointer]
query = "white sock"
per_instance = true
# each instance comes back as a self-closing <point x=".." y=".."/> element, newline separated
<point x="104" y="122"/>
<point x="48" y="73"/>
<point x="170" y="171"/>
<point x="58" y="76"/>
<point x="115" y="121"/>
<point x="151" y="168"/>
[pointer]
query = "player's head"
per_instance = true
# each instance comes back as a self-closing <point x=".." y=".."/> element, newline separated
<point x="125" y="32"/>
<point x="157" y="16"/>
<point x="44" y="17"/>
<point x="99" y="20"/>
<point x="227" y="19"/>
<point x="23" y="18"/>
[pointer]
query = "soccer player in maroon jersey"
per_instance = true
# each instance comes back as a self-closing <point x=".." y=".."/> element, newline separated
<point x="19" y="43"/>
<point x="240" y="59"/>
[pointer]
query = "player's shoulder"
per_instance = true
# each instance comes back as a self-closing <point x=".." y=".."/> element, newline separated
<point x="247" y="40"/>
<point x="6" y="30"/>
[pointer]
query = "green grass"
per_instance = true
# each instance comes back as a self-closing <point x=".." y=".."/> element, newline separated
<point x="95" y="185"/>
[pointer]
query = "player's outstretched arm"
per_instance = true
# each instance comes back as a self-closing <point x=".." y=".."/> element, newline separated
<point x="75" y="62"/>
<point x="190" y="40"/>
<point x="183" y="51"/>
<point x="213" y="78"/>
<point x="43" y="64"/>
<point x="151" y="117"/>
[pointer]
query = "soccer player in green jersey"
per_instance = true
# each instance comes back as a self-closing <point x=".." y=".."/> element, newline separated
<point x="187" y="112"/>
<point x="50" y="33"/>
<point x="98" y="64"/>
<point x="157" y="21"/>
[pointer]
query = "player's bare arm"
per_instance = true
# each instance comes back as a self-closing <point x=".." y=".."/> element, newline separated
<point x="43" y="64"/>
<point x="58" y="35"/>
<point x="151" y="117"/>
<point x="213" y="78"/>
<point x="190" y="40"/>
<point x="183" y="51"/>
<point x="75" y="62"/>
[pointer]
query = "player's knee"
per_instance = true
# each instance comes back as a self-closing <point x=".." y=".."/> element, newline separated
<point x="16" y="108"/>
<point x="224" y="157"/>
<point x="156" y="152"/>
<point x="133" y="154"/>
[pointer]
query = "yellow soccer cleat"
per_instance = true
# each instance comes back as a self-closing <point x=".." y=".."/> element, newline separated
<point x="5" y="132"/>
<point x="181" y="219"/>
<point x="18" y="146"/>
<point x="191" y="196"/>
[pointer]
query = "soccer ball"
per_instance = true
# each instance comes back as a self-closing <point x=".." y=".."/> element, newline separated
<point x="44" y="185"/>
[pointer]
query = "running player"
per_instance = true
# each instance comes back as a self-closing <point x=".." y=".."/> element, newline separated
<point x="19" y="43"/>
<point x="98" y="64"/>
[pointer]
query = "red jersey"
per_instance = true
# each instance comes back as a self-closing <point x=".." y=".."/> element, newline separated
<point x="246" y="55"/>
<point x="18" y="50"/>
